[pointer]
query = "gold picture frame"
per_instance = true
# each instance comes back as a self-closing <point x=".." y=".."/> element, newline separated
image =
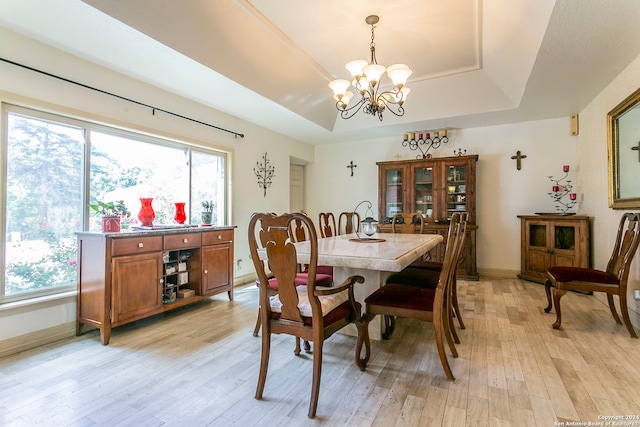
<point x="623" y="130"/>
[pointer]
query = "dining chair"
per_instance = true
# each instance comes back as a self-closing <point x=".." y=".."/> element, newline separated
<point x="428" y="278"/>
<point x="311" y="312"/>
<point x="612" y="281"/>
<point x="403" y="222"/>
<point x="437" y="266"/>
<point x="422" y="303"/>
<point x="327" y="224"/>
<point x="324" y="276"/>
<point x="348" y="222"/>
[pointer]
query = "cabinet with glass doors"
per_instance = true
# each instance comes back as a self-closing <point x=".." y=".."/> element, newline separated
<point x="435" y="188"/>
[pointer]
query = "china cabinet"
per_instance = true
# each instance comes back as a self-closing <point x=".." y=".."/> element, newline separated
<point x="552" y="240"/>
<point x="124" y="277"/>
<point x="435" y="188"/>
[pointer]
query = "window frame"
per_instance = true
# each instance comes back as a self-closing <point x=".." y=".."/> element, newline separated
<point x="88" y="125"/>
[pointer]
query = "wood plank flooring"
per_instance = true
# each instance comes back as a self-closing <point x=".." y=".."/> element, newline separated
<point x="198" y="366"/>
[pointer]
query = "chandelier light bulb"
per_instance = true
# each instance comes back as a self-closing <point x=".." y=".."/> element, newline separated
<point x="356" y="67"/>
<point x="405" y="92"/>
<point x="373" y="72"/>
<point x="339" y="87"/>
<point x="399" y="73"/>
<point x="345" y="99"/>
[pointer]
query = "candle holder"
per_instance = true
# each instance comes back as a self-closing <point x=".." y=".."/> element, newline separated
<point x="560" y="189"/>
<point x="415" y="141"/>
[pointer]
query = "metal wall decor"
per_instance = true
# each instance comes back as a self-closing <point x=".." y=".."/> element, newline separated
<point x="459" y="152"/>
<point x="431" y="139"/>
<point x="265" y="173"/>
<point x="561" y="188"/>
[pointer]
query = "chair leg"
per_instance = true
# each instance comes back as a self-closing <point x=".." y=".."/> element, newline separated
<point x="317" y="371"/>
<point x="257" y="328"/>
<point x="557" y="294"/>
<point x="612" y="307"/>
<point x="297" y="350"/>
<point x="363" y="339"/>
<point x="389" y="324"/>
<point x="440" y="345"/>
<point x="456" y="307"/>
<point x="264" y="364"/>
<point x="547" y="289"/>
<point x="447" y="322"/>
<point x="625" y="316"/>
<point x="307" y="347"/>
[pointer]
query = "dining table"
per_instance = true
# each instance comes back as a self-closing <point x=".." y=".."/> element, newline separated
<point x="375" y="258"/>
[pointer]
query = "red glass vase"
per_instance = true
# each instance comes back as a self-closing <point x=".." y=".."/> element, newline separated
<point x="180" y="216"/>
<point x="146" y="214"/>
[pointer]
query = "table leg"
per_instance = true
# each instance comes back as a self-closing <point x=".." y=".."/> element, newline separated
<point x="373" y="279"/>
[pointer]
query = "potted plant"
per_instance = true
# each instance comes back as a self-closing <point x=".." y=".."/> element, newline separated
<point x="112" y="213"/>
<point x="207" y="212"/>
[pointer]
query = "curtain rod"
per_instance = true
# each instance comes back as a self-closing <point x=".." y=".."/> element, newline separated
<point x="153" y="109"/>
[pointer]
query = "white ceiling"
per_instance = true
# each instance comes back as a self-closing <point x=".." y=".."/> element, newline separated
<point x="475" y="63"/>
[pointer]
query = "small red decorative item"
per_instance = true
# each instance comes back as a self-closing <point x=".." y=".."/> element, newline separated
<point x="555" y="188"/>
<point x="180" y="216"/>
<point x="565" y="168"/>
<point x="146" y="214"/>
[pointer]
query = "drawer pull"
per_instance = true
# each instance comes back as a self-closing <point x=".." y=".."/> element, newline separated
<point x="141" y="245"/>
<point x="161" y="281"/>
<point x="219" y="237"/>
<point x="185" y="240"/>
<point x="206" y="271"/>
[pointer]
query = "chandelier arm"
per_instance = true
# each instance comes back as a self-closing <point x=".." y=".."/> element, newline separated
<point x="351" y="111"/>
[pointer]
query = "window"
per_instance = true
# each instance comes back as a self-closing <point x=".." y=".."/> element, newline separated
<point x="56" y="167"/>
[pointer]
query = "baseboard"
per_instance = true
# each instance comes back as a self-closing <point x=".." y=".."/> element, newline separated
<point x="36" y="339"/>
<point x="243" y="280"/>
<point x="497" y="273"/>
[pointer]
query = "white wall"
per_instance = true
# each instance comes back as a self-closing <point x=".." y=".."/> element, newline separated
<point x="30" y="89"/>
<point x="503" y="192"/>
<point x="592" y="155"/>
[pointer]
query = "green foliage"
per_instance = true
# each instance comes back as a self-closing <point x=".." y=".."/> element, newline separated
<point x="116" y="208"/>
<point x="208" y="205"/>
<point x="57" y="268"/>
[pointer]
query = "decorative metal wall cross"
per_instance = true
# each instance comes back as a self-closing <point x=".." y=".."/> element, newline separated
<point x="265" y="172"/>
<point x="351" y="165"/>
<point x="637" y="148"/>
<point x="518" y="158"/>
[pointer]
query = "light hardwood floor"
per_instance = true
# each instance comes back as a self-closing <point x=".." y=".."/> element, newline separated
<point x="198" y="366"/>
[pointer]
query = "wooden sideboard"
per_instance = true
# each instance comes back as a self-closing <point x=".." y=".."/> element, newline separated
<point x="552" y="240"/>
<point x="123" y="277"/>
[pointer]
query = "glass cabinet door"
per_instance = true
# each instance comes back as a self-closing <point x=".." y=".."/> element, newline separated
<point x="423" y="191"/>
<point x="456" y="186"/>
<point x="393" y="189"/>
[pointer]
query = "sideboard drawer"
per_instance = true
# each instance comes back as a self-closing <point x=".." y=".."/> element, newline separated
<point x="216" y="237"/>
<point x="182" y="241"/>
<point x="135" y="245"/>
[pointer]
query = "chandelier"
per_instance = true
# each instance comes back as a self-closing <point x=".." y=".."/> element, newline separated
<point x="366" y="80"/>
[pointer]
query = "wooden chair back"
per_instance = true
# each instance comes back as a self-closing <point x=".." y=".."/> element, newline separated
<point x="625" y="247"/>
<point x="406" y="223"/>
<point x="327" y="224"/>
<point x="347" y="221"/>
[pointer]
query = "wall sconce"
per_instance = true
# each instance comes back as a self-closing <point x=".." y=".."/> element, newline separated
<point x="431" y="139"/>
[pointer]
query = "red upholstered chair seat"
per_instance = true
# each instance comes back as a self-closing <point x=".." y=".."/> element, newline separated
<point x="416" y="277"/>
<point x="576" y="274"/>
<point x="402" y="296"/>
<point x="338" y="313"/>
